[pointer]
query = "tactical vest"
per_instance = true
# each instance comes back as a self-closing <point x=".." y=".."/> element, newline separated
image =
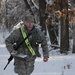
<point x="27" y="41"/>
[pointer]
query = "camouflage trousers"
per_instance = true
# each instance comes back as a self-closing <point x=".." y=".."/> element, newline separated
<point x="24" y="67"/>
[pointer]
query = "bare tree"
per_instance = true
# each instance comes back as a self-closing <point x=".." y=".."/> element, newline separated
<point x="64" y="42"/>
<point x="42" y="7"/>
<point x="0" y="11"/>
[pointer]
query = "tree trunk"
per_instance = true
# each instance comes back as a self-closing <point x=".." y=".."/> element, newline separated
<point x="64" y="42"/>
<point x="42" y="7"/>
<point x="51" y="31"/>
<point x="28" y="7"/>
<point x="53" y="38"/>
<point x="0" y="11"/>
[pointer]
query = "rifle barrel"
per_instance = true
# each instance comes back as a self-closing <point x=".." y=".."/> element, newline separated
<point x="6" y="65"/>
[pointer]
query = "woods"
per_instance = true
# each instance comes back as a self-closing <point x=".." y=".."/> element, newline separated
<point x="56" y="16"/>
<point x="0" y="11"/>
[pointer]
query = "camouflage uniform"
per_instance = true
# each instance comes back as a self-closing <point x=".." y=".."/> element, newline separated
<point x="26" y="66"/>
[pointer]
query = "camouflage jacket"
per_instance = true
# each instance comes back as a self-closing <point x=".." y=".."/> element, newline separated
<point x="36" y="37"/>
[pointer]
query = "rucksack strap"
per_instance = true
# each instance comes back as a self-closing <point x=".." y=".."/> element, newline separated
<point x="27" y="41"/>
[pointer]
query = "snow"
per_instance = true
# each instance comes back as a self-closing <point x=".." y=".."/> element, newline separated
<point x="58" y="64"/>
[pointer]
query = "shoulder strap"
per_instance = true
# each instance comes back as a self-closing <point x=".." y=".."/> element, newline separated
<point x="27" y="41"/>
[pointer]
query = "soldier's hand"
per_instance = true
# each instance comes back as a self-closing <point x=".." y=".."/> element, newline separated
<point x="45" y="59"/>
<point x="13" y="53"/>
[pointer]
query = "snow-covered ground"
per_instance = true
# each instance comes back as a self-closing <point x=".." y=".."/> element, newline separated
<point x="58" y="64"/>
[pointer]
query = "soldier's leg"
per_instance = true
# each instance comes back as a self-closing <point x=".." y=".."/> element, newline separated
<point x="20" y="68"/>
<point x="24" y="67"/>
<point x="23" y="72"/>
<point x="30" y="67"/>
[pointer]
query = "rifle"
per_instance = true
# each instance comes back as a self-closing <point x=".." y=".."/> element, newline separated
<point x="16" y="47"/>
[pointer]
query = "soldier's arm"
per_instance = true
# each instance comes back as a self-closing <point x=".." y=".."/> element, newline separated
<point x="10" y="40"/>
<point x="43" y="41"/>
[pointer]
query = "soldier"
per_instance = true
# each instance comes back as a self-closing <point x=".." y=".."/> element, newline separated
<point x="29" y="48"/>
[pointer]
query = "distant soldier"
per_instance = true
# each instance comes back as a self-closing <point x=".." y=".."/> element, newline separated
<point x="29" y="48"/>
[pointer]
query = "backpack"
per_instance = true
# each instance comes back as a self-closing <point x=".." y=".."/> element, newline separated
<point x="18" y="25"/>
